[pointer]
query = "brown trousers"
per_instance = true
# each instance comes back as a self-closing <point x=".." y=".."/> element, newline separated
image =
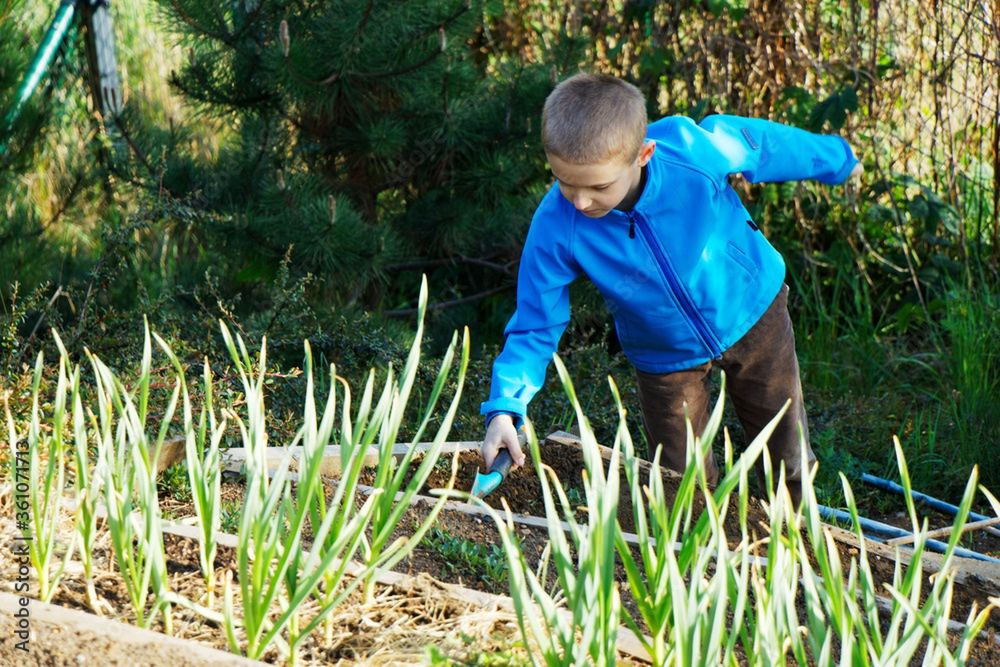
<point x="762" y="372"/>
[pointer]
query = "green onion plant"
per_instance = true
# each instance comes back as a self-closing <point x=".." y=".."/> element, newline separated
<point x="577" y="621"/>
<point x="686" y="624"/>
<point x="385" y="423"/>
<point x="46" y="478"/>
<point x="376" y="428"/>
<point x="705" y="597"/>
<point x="87" y="486"/>
<point x="775" y="580"/>
<point x="849" y="606"/>
<point x="277" y="569"/>
<point x="127" y="466"/>
<point x="201" y="444"/>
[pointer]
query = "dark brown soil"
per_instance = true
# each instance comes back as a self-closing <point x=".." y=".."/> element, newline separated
<point x="399" y="623"/>
<point x="356" y="639"/>
<point x="522" y="492"/>
<point x="978" y="540"/>
<point x="481" y="530"/>
<point x="985" y="651"/>
<point x="522" y="488"/>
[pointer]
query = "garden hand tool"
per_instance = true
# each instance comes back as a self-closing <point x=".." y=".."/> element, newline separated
<point x="101" y="61"/>
<point x="487" y="482"/>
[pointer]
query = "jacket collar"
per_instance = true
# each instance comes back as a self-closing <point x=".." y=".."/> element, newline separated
<point x="650" y="191"/>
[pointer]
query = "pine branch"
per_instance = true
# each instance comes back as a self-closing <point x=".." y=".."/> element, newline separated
<point x="404" y="70"/>
<point x="133" y="146"/>
<point x="212" y="95"/>
<point x="6" y="10"/>
<point x="73" y="192"/>
<point x="407" y="312"/>
<point x="451" y="261"/>
<point x="26" y="345"/>
<point x="334" y="76"/>
<point x="365" y="17"/>
<point x="226" y="38"/>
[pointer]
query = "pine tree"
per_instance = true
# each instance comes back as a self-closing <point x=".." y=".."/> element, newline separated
<point x="374" y="137"/>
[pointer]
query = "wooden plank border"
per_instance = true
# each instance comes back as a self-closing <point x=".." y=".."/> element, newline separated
<point x="66" y="619"/>
<point x="628" y="642"/>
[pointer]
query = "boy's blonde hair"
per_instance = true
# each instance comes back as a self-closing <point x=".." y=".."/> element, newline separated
<point x="592" y="118"/>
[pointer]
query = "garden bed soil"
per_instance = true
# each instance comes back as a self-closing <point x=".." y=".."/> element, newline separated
<point x="522" y="488"/>
<point x="394" y="629"/>
<point x="975" y="540"/>
<point x="62" y="637"/>
<point x="522" y="492"/>
<point x="363" y="631"/>
<point x="985" y="650"/>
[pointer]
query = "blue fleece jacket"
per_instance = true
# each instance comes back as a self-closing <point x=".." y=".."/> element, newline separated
<point x="686" y="273"/>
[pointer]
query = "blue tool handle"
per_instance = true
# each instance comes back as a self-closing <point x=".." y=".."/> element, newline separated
<point x="930" y="501"/>
<point x="502" y="463"/>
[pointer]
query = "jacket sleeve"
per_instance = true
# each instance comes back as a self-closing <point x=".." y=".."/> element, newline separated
<point x="763" y="150"/>
<point x="532" y="335"/>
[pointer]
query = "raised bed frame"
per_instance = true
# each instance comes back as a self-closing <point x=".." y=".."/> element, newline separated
<point x="967" y="571"/>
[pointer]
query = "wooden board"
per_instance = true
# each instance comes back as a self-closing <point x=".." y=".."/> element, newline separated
<point x="968" y="571"/>
<point x="234" y="458"/>
<point x="68" y="622"/>
<point x="628" y="643"/>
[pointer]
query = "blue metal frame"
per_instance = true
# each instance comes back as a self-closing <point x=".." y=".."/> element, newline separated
<point x="870" y="525"/>
<point x="930" y="501"/>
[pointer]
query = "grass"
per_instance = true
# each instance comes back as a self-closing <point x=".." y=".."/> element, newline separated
<point x="231" y="516"/>
<point x="576" y="497"/>
<point x="174" y="482"/>
<point x="878" y="366"/>
<point x="485" y="563"/>
<point x="972" y="374"/>
<point x="511" y="657"/>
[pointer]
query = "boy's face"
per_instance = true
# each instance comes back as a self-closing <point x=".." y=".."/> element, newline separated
<point x="595" y="189"/>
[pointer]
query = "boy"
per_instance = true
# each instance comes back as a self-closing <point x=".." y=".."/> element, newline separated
<point x="647" y="213"/>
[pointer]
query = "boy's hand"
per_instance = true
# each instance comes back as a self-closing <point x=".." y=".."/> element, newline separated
<point x="853" y="183"/>
<point x="501" y="433"/>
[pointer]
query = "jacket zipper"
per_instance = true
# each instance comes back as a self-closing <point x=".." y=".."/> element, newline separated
<point x="708" y="339"/>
